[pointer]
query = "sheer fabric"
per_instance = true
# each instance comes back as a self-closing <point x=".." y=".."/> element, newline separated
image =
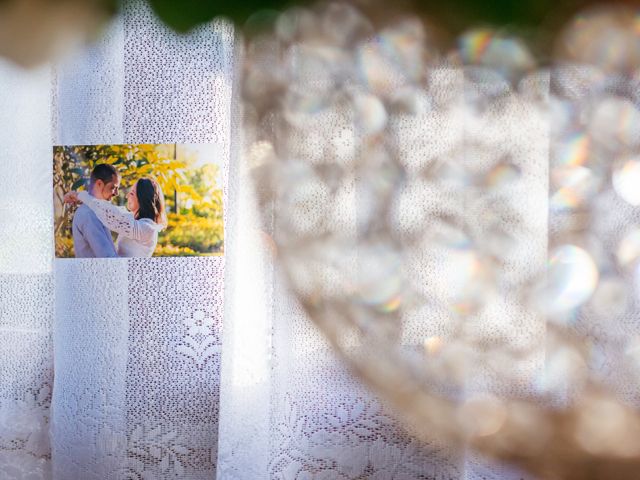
<point x="182" y="368"/>
<point x="26" y="284"/>
<point x="138" y="340"/>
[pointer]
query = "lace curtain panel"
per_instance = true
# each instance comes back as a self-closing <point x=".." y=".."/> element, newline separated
<point x="136" y="343"/>
<point x="190" y="368"/>
<point x="26" y="308"/>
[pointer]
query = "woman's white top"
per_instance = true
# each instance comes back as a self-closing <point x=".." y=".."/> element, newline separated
<point x="136" y="237"/>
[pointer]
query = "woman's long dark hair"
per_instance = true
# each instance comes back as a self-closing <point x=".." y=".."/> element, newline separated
<point x="150" y="200"/>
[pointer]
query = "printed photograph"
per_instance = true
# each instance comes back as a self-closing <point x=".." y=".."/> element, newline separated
<point x="160" y="200"/>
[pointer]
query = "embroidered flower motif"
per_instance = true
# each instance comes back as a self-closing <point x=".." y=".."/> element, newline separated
<point x="354" y="440"/>
<point x="155" y="450"/>
<point x="199" y="343"/>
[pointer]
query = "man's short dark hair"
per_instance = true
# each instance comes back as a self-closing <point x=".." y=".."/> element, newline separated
<point x="104" y="172"/>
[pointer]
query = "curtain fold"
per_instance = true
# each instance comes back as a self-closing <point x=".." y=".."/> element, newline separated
<point x="91" y="327"/>
<point x="26" y="286"/>
<point x="137" y="341"/>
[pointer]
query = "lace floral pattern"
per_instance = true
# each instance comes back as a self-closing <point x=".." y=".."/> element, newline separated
<point x="133" y="405"/>
<point x="351" y="438"/>
<point x="150" y="342"/>
<point x="156" y="452"/>
<point x="174" y="369"/>
<point x="201" y="339"/>
<point x="324" y="422"/>
<point x="289" y="409"/>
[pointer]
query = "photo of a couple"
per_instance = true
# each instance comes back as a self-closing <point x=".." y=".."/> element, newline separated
<point x="137" y="226"/>
<point x="137" y="201"/>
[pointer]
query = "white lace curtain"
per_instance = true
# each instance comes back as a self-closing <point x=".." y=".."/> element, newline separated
<point x="195" y="368"/>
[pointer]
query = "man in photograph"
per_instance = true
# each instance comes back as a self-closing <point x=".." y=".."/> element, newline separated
<point x="91" y="239"/>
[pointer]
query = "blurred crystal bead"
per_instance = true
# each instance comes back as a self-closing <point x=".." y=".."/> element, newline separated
<point x="572" y="277"/>
<point x="404" y="46"/>
<point x="571" y="150"/>
<point x="629" y="248"/>
<point x="615" y="123"/>
<point x="626" y="179"/>
<point x="343" y="25"/>
<point x="316" y="68"/>
<point x="576" y="82"/>
<point x="488" y="48"/>
<point x="502" y="175"/>
<point x="295" y="24"/>
<point x="469" y="281"/>
<point x="605" y="426"/>
<point x="610" y="298"/>
<point x="483" y="87"/>
<point x="302" y="202"/>
<point x="260" y="153"/>
<point x="430" y="176"/>
<point x="451" y="236"/>
<point x="376" y="72"/>
<point x="607" y="37"/>
<point x="453" y="363"/>
<point x="371" y="116"/>
<point x="307" y="150"/>
<point x="482" y="415"/>
<point x="563" y="115"/>
<point x="301" y="107"/>
<point x="379" y="281"/>
<point x="410" y="100"/>
<point x="433" y="345"/>
<point x="575" y="185"/>
<point x="321" y="274"/>
<point x="632" y="352"/>
<point x="564" y="368"/>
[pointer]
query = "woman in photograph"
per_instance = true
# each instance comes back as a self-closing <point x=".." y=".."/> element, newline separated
<point x="138" y="225"/>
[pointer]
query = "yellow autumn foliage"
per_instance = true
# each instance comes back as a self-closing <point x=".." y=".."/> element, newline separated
<point x="192" y="196"/>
